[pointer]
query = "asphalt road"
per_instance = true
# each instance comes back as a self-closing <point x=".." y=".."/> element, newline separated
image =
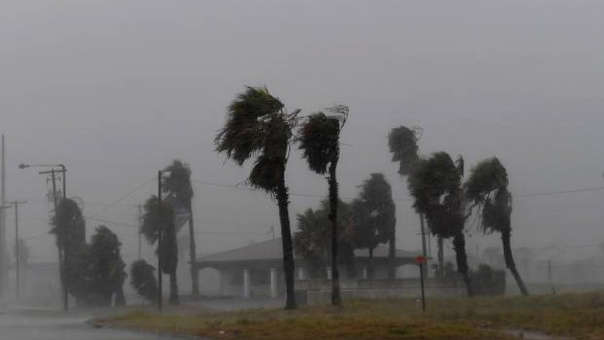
<point x="27" y="327"/>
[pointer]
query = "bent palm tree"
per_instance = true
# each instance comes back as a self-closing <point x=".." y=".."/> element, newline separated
<point x="320" y="142"/>
<point x="435" y="184"/>
<point x="258" y="126"/>
<point x="487" y="188"/>
<point x="178" y="184"/>
<point x="402" y="142"/>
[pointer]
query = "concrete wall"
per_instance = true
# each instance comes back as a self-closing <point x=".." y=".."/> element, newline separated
<point x="318" y="291"/>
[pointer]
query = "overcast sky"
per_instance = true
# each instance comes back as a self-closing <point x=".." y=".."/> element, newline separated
<point x="117" y="89"/>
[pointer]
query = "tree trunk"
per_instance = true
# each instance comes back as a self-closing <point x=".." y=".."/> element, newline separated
<point x="509" y="261"/>
<point x="173" y="289"/>
<point x="336" y="299"/>
<point x="459" y="243"/>
<point x="120" y="299"/>
<point x="392" y="256"/>
<point x="370" y="266"/>
<point x="441" y="258"/>
<point x="286" y="239"/>
<point x="422" y="225"/>
<point x="193" y="255"/>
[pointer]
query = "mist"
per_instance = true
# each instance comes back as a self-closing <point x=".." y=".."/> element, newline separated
<point x="117" y="90"/>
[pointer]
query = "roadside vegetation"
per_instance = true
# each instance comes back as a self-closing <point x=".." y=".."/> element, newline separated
<point x="576" y="315"/>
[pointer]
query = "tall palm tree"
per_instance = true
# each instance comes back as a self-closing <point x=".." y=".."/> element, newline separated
<point x="403" y="144"/>
<point x="158" y="221"/>
<point x="320" y="142"/>
<point x="487" y="188"/>
<point x="178" y="185"/>
<point x="259" y="127"/>
<point x="436" y="186"/>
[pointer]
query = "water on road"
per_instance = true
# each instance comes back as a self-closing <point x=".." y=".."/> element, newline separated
<point x="26" y="327"/>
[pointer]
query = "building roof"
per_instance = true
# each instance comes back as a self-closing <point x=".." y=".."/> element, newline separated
<point x="273" y="250"/>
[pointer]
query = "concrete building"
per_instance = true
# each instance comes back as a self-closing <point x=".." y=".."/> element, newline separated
<point x="257" y="269"/>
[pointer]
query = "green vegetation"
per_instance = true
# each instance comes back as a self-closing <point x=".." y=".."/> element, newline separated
<point x="312" y="240"/>
<point x="320" y="142"/>
<point x="578" y="315"/>
<point x="258" y="127"/>
<point x="436" y="187"/>
<point x="179" y="189"/>
<point x="374" y="218"/>
<point x="142" y="279"/>
<point x="158" y="221"/>
<point x="487" y="188"/>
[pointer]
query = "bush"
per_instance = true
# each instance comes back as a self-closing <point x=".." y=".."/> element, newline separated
<point x="142" y="279"/>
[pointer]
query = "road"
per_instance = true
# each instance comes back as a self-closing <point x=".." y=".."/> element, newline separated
<point x="40" y="327"/>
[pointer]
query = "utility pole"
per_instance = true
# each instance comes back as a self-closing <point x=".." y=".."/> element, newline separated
<point x="17" y="250"/>
<point x="54" y="168"/>
<point x="60" y="246"/>
<point x="159" y="237"/>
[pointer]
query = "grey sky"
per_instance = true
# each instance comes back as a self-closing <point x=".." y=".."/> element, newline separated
<point x="117" y="89"/>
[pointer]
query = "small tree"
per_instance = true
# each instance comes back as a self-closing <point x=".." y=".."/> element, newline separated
<point x="436" y="186"/>
<point x="320" y="141"/>
<point x="107" y="267"/>
<point x="69" y="229"/>
<point x="258" y="127"/>
<point x="374" y="218"/>
<point x="142" y="279"/>
<point x="158" y="221"/>
<point x="312" y="240"/>
<point x="487" y="188"/>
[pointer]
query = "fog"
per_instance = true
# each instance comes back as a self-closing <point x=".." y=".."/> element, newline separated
<point x="117" y="90"/>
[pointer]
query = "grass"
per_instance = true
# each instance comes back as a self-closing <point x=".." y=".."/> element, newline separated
<point x="577" y="315"/>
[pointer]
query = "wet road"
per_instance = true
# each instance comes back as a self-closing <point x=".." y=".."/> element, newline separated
<point x="26" y="327"/>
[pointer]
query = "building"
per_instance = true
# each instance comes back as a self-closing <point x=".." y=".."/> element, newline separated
<point x="257" y="269"/>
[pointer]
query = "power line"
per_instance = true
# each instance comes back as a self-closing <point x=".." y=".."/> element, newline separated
<point x="126" y="195"/>
<point x="295" y="194"/>
<point x="553" y="193"/>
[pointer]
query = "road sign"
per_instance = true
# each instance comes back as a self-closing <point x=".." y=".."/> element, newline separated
<point x="420" y="259"/>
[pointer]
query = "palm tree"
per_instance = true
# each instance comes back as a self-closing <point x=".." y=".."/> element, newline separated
<point x="320" y="142"/>
<point x="487" y="188"/>
<point x="436" y="186"/>
<point x="402" y="142"/>
<point x="158" y="221"/>
<point x="258" y="127"/>
<point x="69" y="228"/>
<point x="178" y="185"/>
<point x="375" y="218"/>
<point x="312" y="240"/>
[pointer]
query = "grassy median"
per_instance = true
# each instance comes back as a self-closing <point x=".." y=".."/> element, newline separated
<point x="576" y="315"/>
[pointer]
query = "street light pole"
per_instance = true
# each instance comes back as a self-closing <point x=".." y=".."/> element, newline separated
<point x="61" y="251"/>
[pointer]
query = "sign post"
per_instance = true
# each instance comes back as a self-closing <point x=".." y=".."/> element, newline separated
<point x="421" y="261"/>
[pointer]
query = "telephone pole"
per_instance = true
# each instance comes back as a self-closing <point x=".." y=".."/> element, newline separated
<point x="54" y="170"/>
<point x="17" y="250"/>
